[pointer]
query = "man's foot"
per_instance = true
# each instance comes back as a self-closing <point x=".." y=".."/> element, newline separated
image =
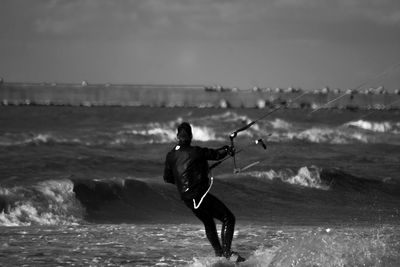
<point x="235" y="257"/>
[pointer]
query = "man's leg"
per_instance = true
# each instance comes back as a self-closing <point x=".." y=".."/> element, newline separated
<point x="203" y="213"/>
<point x="221" y="212"/>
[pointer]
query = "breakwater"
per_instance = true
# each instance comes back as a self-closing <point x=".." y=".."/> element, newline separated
<point x="181" y="96"/>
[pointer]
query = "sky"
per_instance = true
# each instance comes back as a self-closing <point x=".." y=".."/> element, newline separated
<point x="235" y="43"/>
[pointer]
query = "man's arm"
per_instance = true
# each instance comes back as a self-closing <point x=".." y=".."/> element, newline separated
<point x="217" y="154"/>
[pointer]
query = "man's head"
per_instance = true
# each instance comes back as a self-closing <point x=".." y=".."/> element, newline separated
<point x="184" y="134"/>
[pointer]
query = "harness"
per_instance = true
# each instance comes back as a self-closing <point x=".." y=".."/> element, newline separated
<point x="204" y="195"/>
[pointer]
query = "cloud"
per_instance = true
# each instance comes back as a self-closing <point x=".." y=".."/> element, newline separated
<point x="200" y="19"/>
<point x="384" y="17"/>
<point x="83" y="17"/>
<point x="298" y="3"/>
<point x="385" y="12"/>
<point x="147" y="17"/>
<point x="393" y="18"/>
<point x="59" y="17"/>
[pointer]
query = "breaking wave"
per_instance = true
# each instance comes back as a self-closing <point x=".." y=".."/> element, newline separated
<point x="49" y="202"/>
<point x="329" y="135"/>
<point x="116" y="200"/>
<point x="229" y="116"/>
<point x="15" y="139"/>
<point x="215" y="127"/>
<point x="380" y="127"/>
<point x="281" y="124"/>
<point x="305" y="177"/>
<point x="163" y="132"/>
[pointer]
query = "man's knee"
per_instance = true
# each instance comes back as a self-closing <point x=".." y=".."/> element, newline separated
<point x="229" y="218"/>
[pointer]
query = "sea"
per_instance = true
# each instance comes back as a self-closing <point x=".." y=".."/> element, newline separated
<point x="83" y="186"/>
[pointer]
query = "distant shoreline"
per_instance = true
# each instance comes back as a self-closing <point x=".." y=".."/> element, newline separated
<point x="154" y="95"/>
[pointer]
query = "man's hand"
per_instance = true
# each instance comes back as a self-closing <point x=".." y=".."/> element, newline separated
<point x="230" y="150"/>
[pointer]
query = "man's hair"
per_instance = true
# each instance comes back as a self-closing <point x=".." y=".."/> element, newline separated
<point x="184" y="134"/>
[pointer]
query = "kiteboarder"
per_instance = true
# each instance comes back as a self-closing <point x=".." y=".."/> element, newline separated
<point x="186" y="166"/>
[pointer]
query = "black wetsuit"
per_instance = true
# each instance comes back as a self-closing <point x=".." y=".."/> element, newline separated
<point x="186" y="166"/>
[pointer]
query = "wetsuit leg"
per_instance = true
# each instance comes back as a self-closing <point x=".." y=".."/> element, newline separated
<point x="211" y="208"/>
<point x="222" y="213"/>
<point x="205" y="215"/>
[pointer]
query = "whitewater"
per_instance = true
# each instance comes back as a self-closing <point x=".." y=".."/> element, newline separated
<point x="83" y="186"/>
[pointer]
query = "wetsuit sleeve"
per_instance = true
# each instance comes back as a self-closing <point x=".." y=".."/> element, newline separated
<point x="215" y="154"/>
<point x="168" y="175"/>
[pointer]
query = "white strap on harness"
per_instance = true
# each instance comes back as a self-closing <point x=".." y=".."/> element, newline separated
<point x="201" y="199"/>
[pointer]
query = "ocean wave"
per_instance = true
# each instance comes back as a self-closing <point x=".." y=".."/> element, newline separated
<point x="305" y="177"/>
<point x="165" y="132"/>
<point x="280" y="130"/>
<point x="9" y="139"/>
<point x="229" y="116"/>
<point x="330" y="136"/>
<point x="49" y="202"/>
<point x="225" y="123"/>
<point x="380" y="127"/>
<point x="215" y="127"/>
<point x="331" y="179"/>
<point x="29" y="138"/>
<point x="148" y="133"/>
<point x="140" y="134"/>
<point x="318" y="247"/>
<point x="281" y="124"/>
<point x="127" y="199"/>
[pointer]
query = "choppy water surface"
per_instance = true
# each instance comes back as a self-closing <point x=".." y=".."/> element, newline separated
<point x="185" y="245"/>
<point x="83" y="186"/>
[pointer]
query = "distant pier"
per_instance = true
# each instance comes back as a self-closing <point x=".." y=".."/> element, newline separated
<point x="86" y="94"/>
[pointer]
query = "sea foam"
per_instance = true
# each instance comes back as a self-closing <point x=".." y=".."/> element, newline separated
<point x="305" y="176"/>
<point x="49" y="202"/>
<point x="380" y="127"/>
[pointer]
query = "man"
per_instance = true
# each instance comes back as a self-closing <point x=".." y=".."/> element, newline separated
<point x="186" y="166"/>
